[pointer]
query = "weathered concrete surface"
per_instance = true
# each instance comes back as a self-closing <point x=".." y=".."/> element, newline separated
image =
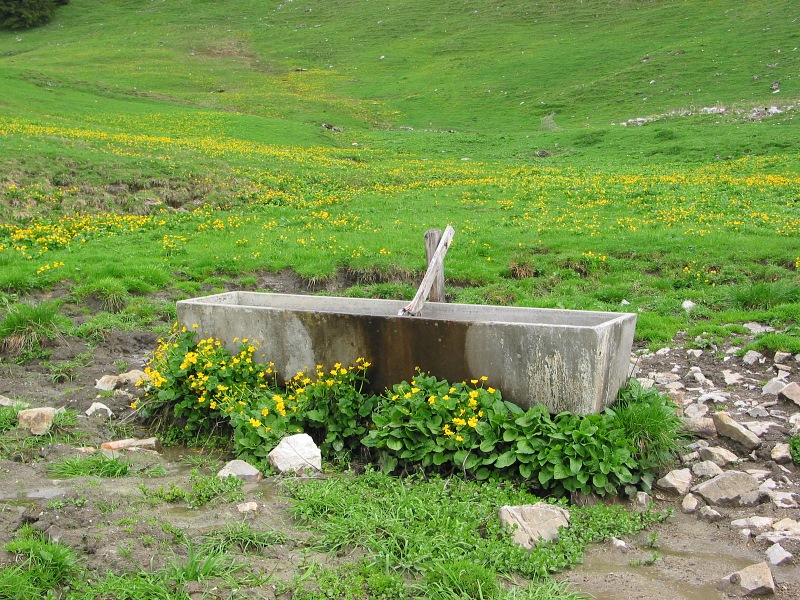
<point x="567" y="360"/>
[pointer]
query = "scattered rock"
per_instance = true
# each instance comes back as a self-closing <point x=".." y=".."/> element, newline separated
<point x="791" y="392"/>
<point x="296" y="453"/>
<point x="756" y="328"/>
<point x="729" y="428"/>
<point x="677" y="481"/>
<point x="783" y="499"/>
<point x="719" y="456"/>
<point x="776" y="555"/>
<point x="534" y="522"/>
<point x="132" y="377"/>
<point x="241" y="469"/>
<point x="706" y="469"/>
<point x="727" y="489"/>
<point x="757" y="524"/>
<point x="98" y="406"/>
<point x="619" y="545"/>
<point x="37" y="420"/>
<point x="755" y="580"/>
<point x="773" y="387"/>
<point x="732" y="378"/>
<point x="688" y="305"/>
<point x="690" y="503"/>
<point x="751" y="357"/>
<point x="781" y="453"/>
<point x="781" y="357"/>
<point x="146" y="444"/>
<point x="700" y="426"/>
<point x="106" y="383"/>
<point x="709" y="514"/>
<point x="246" y="507"/>
<point x="695" y="411"/>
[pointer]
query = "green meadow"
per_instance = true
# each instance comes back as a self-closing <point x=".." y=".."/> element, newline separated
<point x="182" y="146"/>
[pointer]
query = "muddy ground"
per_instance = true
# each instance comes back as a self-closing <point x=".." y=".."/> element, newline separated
<point x="113" y="527"/>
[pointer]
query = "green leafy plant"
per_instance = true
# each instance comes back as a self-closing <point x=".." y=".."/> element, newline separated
<point x="794" y="448"/>
<point x="204" y="488"/>
<point x="68" y="369"/>
<point x="239" y="536"/>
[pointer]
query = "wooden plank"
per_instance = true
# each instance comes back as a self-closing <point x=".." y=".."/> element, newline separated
<point x="437" y="262"/>
<point x="432" y="239"/>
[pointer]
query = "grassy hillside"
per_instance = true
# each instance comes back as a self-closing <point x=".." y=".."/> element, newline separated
<point x="148" y="145"/>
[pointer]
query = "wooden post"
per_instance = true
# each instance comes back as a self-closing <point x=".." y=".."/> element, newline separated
<point x="432" y="239"/>
<point x="436" y="263"/>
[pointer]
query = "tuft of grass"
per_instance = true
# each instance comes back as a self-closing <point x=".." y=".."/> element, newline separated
<point x="26" y="326"/>
<point x="763" y="296"/>
<point x="239" y="536"/>
<point x="43" y="565"/>
<point x="93" y="465"/>
<point x="110" y="291"/>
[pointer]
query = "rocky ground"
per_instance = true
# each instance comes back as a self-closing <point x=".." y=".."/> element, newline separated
<point x="735" y="496"/>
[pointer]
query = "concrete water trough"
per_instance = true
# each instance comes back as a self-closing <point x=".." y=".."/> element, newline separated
<point x="568" y="360"/>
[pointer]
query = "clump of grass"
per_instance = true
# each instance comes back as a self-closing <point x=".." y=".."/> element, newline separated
<point x="93" y="465"/>
<point x="112" y="293"/>
<point x="26" y="326"/>
<point x="239" y="536"/>
<point x="651" y="423"/>
<point x="41" y="566"/>
<point x="766" y="295"/>
<point x="794" y="448"/>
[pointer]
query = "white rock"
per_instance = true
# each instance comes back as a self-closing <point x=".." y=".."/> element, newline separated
<point x="296" y="453"/>
<point x="791" y="392"/>
<point x="788" y="525"/>
<point x="751" y="357"/>
<point x="717" y="455"/>
<point x="132" y="377"/>
<point x="246" y="507"/>
<point x="755" y="580"/>
<point x="98" y="406"/>
<point x="776" y="555"/>
<point x="688" y="305"/>
<point x="240" y="469"/>
<point x="694" y="353"/>
<point x="695" y="411"/>
<point x="756" y="523"/>
<point x="773" y="387"/>
<point x="781" y="453"/>
<point x="781" y="357"/>
<point x="731" y="378"/>
<point x="728" y="488"/>
<point x="690" y="503"/>
<point x="677" y="480"/>
<point x="709" y="514"/>
<point x="706" y="469"/>
<point x="729" y="428"/>
<point x="37" y="420"/>
<point x="783" y="499"/>
<point x="534" y="522"/>
<point x="643" y="499"/>
<point x="757" y="328"/>
<point x="106" y="383"/>
<point x="618" y="544"/>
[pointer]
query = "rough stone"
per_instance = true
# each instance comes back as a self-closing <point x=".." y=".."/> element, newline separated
<point x="296" y="453"/>
<point x="709" y="514"/>
<point x="706" y="469"/>
<point x="702" y="426"/>
<point x="534" y="522"/>
<point x="719" y="456"/>
<point x="678" y="481"/>
<point x="781" y="357"/>
<point x="98" y="406"/>
<point x="759" y="412"/>
<point x="132" y="377"/>
<point x="777" y="555"/>
<point x="246" y="507"/>
<point x="690" y="503"/>
<point x="241" y="469"/>
<point x="755" y="580"/>
<point x="4" y="401"/>
<point x="106" y="383"/>
<point x="643" y="499"/>
<point x="695" y="411"/>
<point x="37" y="420"/>
<point x="773" y="387"/>
<point x="729" y="428"/>
<point x="789" y="525"/>
<point x="791" y="392"/>
<point x="751" y="357"/>
<point x="781" y="453"/>
<point x="783" y="499"/>
<point x="727" y="488"/>
<point x="757" y="328"/>
<point x="755" y="523"/>
<point x="731" y="378"/>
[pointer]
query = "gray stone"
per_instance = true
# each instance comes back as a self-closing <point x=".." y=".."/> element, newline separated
<point x="790" y="526"/>
<point x="729" y="428"/>
<point x="759" y="428"/>
<point x="4" y="401"/>
<point x="781" y="357"/>
<point x="643" y="499"/>
<point x="753" y="498"/>
<point x="706" y="469"/>
<point x="98" y="406"/>
<point x="759" y="412"/>
<point x="791" y="392"/>
<point x="240" y="469"/>
<point x="690" y="503"/>
<point x="701" y="426"/>
<point x="783" y="499"/>
<point x="296" y="453"/>
<point x="37" y="420"/>
<point x="726" y="489"/>
<point x="695" y="411"/>
<point x="781" y="453"/>
<point x="755" y="580"/>
<point x="534" y="522"/>
<point x="757" y="328"/>
<point x="774" y="387"/>
<point x="751" y="357"/>
<point x="754" y="523"/>
<point x="688" y="305"/>
<point x="776" y="555"/>
<point x="731" y="378"/>
<point x="709" y="514"/>
<point x="719" y="456"/>
<point x="678" y="481"/>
